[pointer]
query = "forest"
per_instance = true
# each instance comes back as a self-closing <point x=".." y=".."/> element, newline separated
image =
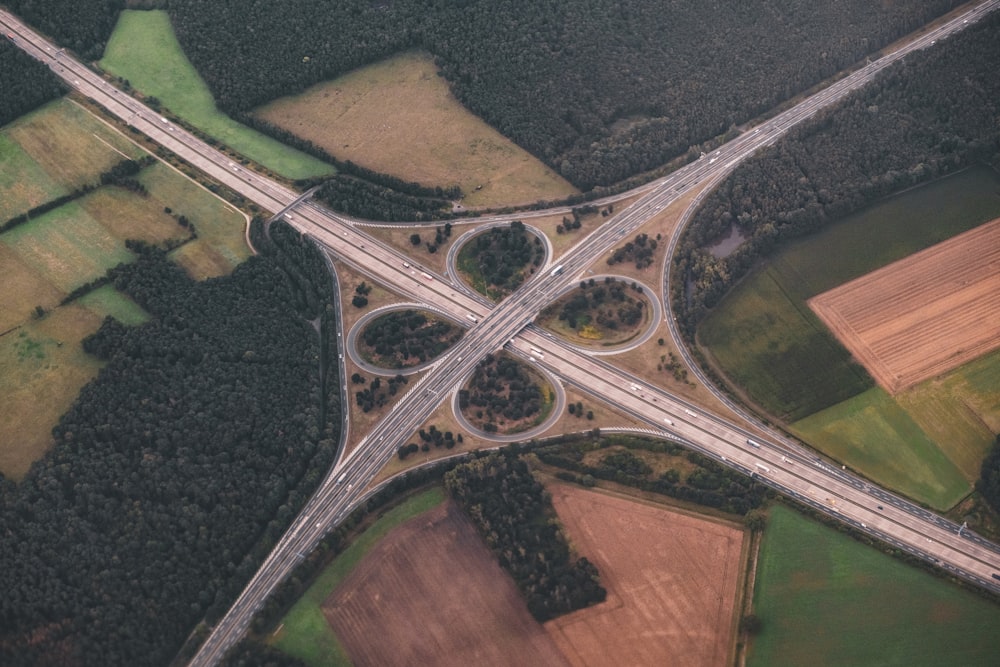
<point x="370" y="201"/>
<point x="405" y="338"/>
<point x="26" y="83"/>
<point x="694" y="478"/>
<point x="514" y="515"/>
<point x="175" y="470"/>
<point x="933" y="114"/>
<point x="988" y="484"/>
<point x="80" y="25"/>
<point x="503" y="254"/>
<point x="501" y="389"/>
<point x="598" y="89"/>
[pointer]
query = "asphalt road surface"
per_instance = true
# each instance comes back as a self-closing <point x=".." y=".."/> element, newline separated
<point x="792" y="470"/>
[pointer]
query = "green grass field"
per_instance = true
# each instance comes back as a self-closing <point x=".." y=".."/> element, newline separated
<point x="775" y="348"/>
<point x="304" y="631"/>
<point x="144" y="50"/>
<point x="870" y="432"/>
<point x="106" y="301"/>
<point x="23" y="183"/>
<point x="221" y="242"/>
<point x="929" y="441"/>
<point x="66" y="246"/>
<point x="825" y="599"/>
<point x="42" y="368"/>
<point x="960" y="411"/>
<point x="764" y="335"/>
<point x="69" y="144"/>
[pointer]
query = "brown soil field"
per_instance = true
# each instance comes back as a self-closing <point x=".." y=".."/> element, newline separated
<point x="672" y="583"/>
<point x="431" y="593"/>
<point x="922" y="315"/>
<point x="399" y="117"/>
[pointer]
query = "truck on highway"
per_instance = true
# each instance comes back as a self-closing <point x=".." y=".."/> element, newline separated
<point x="753" y="444"/>
<point x="556" y="271"/>
<point x="475" y="320"/>
<point x="538" y="353"/>
<point x="763" y="467"/>
<point x="669" y="423"/>
<point x="343" y="476"/>
<point x="426" y="276"/>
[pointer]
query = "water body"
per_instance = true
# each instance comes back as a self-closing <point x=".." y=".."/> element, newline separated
<point x="728" y="243"/>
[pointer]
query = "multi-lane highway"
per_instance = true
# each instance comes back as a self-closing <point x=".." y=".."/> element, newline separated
<point x="789" y="469"/>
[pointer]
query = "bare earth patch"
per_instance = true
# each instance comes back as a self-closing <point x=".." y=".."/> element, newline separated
<point x="923" y="315"/>
<point x="671" y="580"/>
<point x="431" y="593"/>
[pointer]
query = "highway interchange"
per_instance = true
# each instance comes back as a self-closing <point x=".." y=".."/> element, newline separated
<point x="785" y="466"/>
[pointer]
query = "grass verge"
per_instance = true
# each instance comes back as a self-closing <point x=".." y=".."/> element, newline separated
<point x="825" y="599"/>
<point x="304" y="632"/>
<point x="144" y="50"/>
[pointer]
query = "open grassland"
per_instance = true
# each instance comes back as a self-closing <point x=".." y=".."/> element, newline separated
<point x="144" y="50"/>
<point x="922" y="315"/>
<point x="960" y="410"/>
<point x="42" y="358"/>
<point x="778" y="351"/>
<point x="825" y="599"/>
<point x="66" y="246"/>
<point x="871" y="433"/>
<point x="71" y="146"/>
<point x="23" y="289"/>
<point x="23" y="183"/>
<point x="399" y="117"/>
<point x="107" y="301"/>
<point x="126" y="216"/>
<point x="221" y="244"/>
<point x="304" y="632"/>
<point x="765" y="337"/>
<point x="432" y="593"/>
<point x="672" y="582"/>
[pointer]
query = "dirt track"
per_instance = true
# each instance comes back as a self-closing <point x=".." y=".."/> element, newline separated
<point x="923" y="315"/>
<point x="671" y="581"/>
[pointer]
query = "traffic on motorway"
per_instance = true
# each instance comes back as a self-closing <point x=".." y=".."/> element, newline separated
<point x="790" y="469"/>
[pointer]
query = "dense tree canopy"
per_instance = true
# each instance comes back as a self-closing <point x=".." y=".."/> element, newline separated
<point x="598" y="89"/>
<point x="26" y="84"/>
<point x="989" y="479"/>
<point x="172" y="474"/>
<point x="81" y="25"/>
<point x="513" y="513"/>
<point x="408" y="337"/>
<point x="934" y="113"/>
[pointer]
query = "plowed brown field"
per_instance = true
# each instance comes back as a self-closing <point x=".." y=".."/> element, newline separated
<point x="923" y="315"/>
<point x="671" y="580"/>
<point x="431" y="593"/>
